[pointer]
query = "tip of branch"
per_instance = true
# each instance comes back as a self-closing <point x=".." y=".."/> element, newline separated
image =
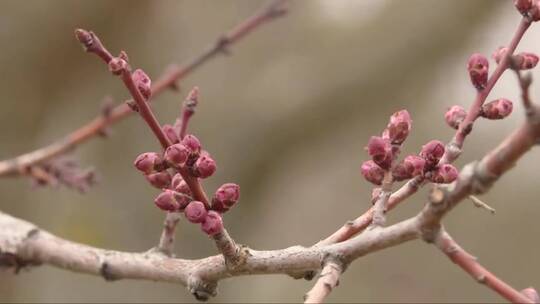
<point x="277" y="8"/>
<point x="84" y="37"/>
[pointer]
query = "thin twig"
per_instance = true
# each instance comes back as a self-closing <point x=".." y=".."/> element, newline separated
<point x="166" y="241"/>
<point x="327" y="281"/>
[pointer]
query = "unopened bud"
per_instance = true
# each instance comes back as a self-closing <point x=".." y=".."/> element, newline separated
<point x="166" y="201"/>
<point x="497" y="109"/>
<point x="195" y="212"/>
<point x="85" y="38"/>
<point x="499" y="54"/>
<point x="372" y="172"/>
<point x="531" y="294"/>
<point x="454" y="116"/>
<point x="225" y="197"/>
<point x="444" y="174"/>
<point x="213" y="223"/>
<point x="159" y="180"/>
<point x="192" y="143"/>
<point x="399" y="127"/>
<point x="411" y="166"/>
<point x="143" y="82"/>
<point x="176" y="154"/>
<point x="179" y="185"/>
<point x="525" y="61"/>
<point x="432" y="152"/>
<point x="117" y="65"/>
<point x="147" y="162"/>
<point x="534" y="12"/>
<point x="171" y="134"/>
<point x="380" y="151"/>
<point x="205" y="166"/>
<point x="523" y="6"/>
<point x="478" y="67"/>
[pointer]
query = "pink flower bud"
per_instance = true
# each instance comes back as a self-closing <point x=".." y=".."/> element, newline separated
<point x="195" y="212"/>
<point x="205" y="166"/>
<point x="372" y="172"/>
<point x="213" y="224"/>
<point x="171" y="134"/>
<point x="147" y="162"/>
<point x="523" y="6"/>
<point x="176" y="154"/>
<point x="166" y="201"/>
<point x="192" y="143"/>
<point x="380" y="151"/>
<point x="117" y="65"/>
<point x="499" y="54"/>
<point x="497" y="109"/>
<point x="411" y="166"/>
<point x="143" y="82"/>
<point x="478" y="67"/>
<point x="179" y="185"/>
<point x="454" y="116"/>
<point x="159" y="180"/>
<point x="225" y="197"/>
<point x="398" y="128"/>
<point x="534" y="12"/>
<point x="531" y="294"/>
<point x="525" y="61"/>
<point x="444" y="174"/>
<point x="432" y="152"/>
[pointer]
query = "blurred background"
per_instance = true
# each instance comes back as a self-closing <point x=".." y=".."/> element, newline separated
<point x="286" y="116"/>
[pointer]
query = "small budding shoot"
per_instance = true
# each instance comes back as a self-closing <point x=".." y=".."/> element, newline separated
<point x="380" y="151"/>
<point x="432" y="153"/>
<point x="410" y="167"/>
<point x="166" y="201"/>
<point x="444" y="174"/>
<point x="225" y="197"/>
<point x="497" y="109"/>
<point x="454" y="116"/>
<point x="143" y="82"/>
<point x="176" y="155"/>
<point x="195" y="212"/>
<point x="372" y="172"/>
<point x="147" y="162"/>
<point x="525" y="61"/>
<point x="159" y="180"/>
<point x="478" y="67"/>
<point x="171" y="133"/>
<point x="213" y="223"/>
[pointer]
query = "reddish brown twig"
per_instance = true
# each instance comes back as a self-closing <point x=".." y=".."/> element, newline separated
<point x="88" y="131"/>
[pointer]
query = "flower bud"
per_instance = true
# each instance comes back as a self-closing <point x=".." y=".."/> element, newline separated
<point x="171" y="134"/>
<point x="159" y="180"/>
<point x="213" y="223"/>
<point x="147" y="162"/>
<point x="380" y="151"/>
<point x="225" y="197"/>
<point x="525" y="61"/>
<point x="192" y="143"/>
<point x="478" y="67"/>
<point x="499" y="54"/>
<point x="398" y="128"/>
<point x="531" y="294"/>
<point x="117" y="65"/>
<point x="432" y="152"/>
<point x="166" y="201"/>
<point x="176" y="154"/>
<point x="372" y="172"/>
<point x="497" y="109"/>
<point x="411" y="166"/>
<point x="534" y="12"/>
<point x="205" y="166"/>
<point x="143" y="82"/>
<point x="523" y="6"/>
<point x="179" y="185"/>
<point x="444" y="174"/>
<point x="454" y="116"/>
<point x="195" y="212"/>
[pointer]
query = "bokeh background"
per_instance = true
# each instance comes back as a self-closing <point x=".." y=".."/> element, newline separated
<point x="286" y="116"/>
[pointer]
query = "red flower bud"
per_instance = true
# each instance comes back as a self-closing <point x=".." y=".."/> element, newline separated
<point x="534" y="12"/>
<point x="147" y="162"/>
<point x="176" y="154"/>
<point x="497" y="109"/>
<point x="398" y="128"/>
<point x="195" y="212"/>
<point x="159" y="180"/>
<point x="523" y="6"/>
<point x="454" y="116"/>
<point x="143" y="82"/>
<point x="205" y="166"/>
<point x="372" y="172"/>
<point x="531" y="294"/>
<point x="411" y="166"/>
<point x="380" y="151"/>
<point x="478" y="67"/>
<point x="444" y="174"/>
<point x="499" y="54"/>
<point x="525" y="61"/>
<point x="171" y="134"/>
<point x="432" y="152"/>
<point x="117" y="65"/>
<point x="192" y="143"/>
<point x="166" y="201"/>
<point x="179" y="185"/>
<point x="213" y="224"/>
<point x="225" y="197"/>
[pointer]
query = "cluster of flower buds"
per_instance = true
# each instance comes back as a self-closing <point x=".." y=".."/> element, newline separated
<point x="528" y="8"/>
<point x="185" y="154"/>
<point x="384" y="150"/>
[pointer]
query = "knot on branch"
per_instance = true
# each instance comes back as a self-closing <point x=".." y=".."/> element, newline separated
<point x="481" y="179"/>
<point x="200" y="289"/>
